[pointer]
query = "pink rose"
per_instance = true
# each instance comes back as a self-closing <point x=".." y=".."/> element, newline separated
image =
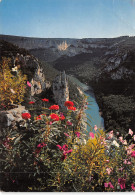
<point x="91" y="134"/>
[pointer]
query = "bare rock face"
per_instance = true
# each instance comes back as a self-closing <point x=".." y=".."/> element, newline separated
<point x="38" y="82"/>
<point x="11" y="117"/>
<point x="60" y="89"/>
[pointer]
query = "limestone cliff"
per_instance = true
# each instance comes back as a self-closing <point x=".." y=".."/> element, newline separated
<point x="60" y="89"/>
<point x="117" y="66"/>
<point x="38" y="82"/>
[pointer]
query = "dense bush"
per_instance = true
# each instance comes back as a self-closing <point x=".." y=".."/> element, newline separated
<point x="118" y="111"/>
<point x="12" y="87"/>
<point x="51" y="152"/>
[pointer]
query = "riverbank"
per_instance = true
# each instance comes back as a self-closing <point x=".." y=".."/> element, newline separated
<point x="118" y="111"/>
<point x="93" y="113"/>
<point x="116" y="103"/>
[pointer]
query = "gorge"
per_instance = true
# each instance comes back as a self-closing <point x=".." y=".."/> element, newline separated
<point x="107" y="65"/>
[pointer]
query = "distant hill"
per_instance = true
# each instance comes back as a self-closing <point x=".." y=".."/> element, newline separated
<point x="50" y="49"/>
<point x="86" y="58"/>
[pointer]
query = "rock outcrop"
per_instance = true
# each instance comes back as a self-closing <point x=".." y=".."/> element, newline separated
<point x="37" y="78"/>
<point x="60" y="89"/>
<point x="38" y="82"/>
<point x="12" y="117"/>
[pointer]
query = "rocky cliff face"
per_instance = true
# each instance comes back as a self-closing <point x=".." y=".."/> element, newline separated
<point x="52" y="49"/>
<point x="60" y="89"/>
<point x="12" y="118"/>
<point x="20" y="59"/>
<point x="38" y="82"/>
<point x="117" y="65"/>
<point x="37" y="78"/>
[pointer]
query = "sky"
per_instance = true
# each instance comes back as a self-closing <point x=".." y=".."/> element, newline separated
<point x="67" y="18"/>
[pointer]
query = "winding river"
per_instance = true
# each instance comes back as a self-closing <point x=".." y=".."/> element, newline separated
<point x="93" y="108"/>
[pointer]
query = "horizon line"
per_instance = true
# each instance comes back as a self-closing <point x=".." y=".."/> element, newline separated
<point x="67" y="37"/>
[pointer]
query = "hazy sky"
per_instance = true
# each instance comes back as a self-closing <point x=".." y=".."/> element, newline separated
<point x="67" y="18"/>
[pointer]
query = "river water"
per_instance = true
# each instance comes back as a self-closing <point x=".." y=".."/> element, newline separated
<point x="93" y="108"/>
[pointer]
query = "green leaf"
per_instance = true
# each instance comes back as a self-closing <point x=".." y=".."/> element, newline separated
<point x="88" y="125"/>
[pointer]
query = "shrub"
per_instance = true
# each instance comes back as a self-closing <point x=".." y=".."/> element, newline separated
<point x="56" y="155"/>
<point x="12" y="88"/>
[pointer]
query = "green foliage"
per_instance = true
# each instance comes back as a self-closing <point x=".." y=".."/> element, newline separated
<point x="12" y="88"/>
<point x="118" y="111"/>
<point x="33" y="157"/>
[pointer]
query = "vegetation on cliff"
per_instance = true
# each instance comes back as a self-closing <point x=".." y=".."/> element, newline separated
<point x="12" y="87"/>
<point x="49" y="151"/>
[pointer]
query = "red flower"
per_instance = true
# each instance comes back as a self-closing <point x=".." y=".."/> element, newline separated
<point x="42" y="114"/>
<point x="71" y="108"/>
<point x="59" y="147"/>
<point x="26" y="115"/>
<point x="133" y="187"/>
<point x="54" y="107"/>
<point x="77" y="134"/>
<point x="28" y="83"/>
<point x="69" y="151"/>
<point x="69" y="123"/>
<point x="64" y="156"/>
<point x="107" y="185"/>
<point x="62" y="117"/>
<point x="38" y="118"/>
<point x="91" y="134"/>
<point x="68" y="103"/>
<point x="6" y="143"/>
<point x="39" y="147"/>
<point x="31" y="102"/>
<point x="65" y="147"/>
<point x="55" y="117"/>
<point x="121" y="182"/>
<point x="133" y="154"/>
<point x="45" y="100"/>
<point x="65" y="150"/>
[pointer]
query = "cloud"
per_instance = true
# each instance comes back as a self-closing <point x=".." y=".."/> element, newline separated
<point x="0" y="1"/>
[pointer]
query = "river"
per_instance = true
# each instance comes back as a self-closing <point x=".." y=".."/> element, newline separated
<point x="93" y="108"/>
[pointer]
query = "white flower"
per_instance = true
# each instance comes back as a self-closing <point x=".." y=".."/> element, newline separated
<point x="130" y="132"/>
<point x="115" y="143"/>
<point x="12" y="91"/>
